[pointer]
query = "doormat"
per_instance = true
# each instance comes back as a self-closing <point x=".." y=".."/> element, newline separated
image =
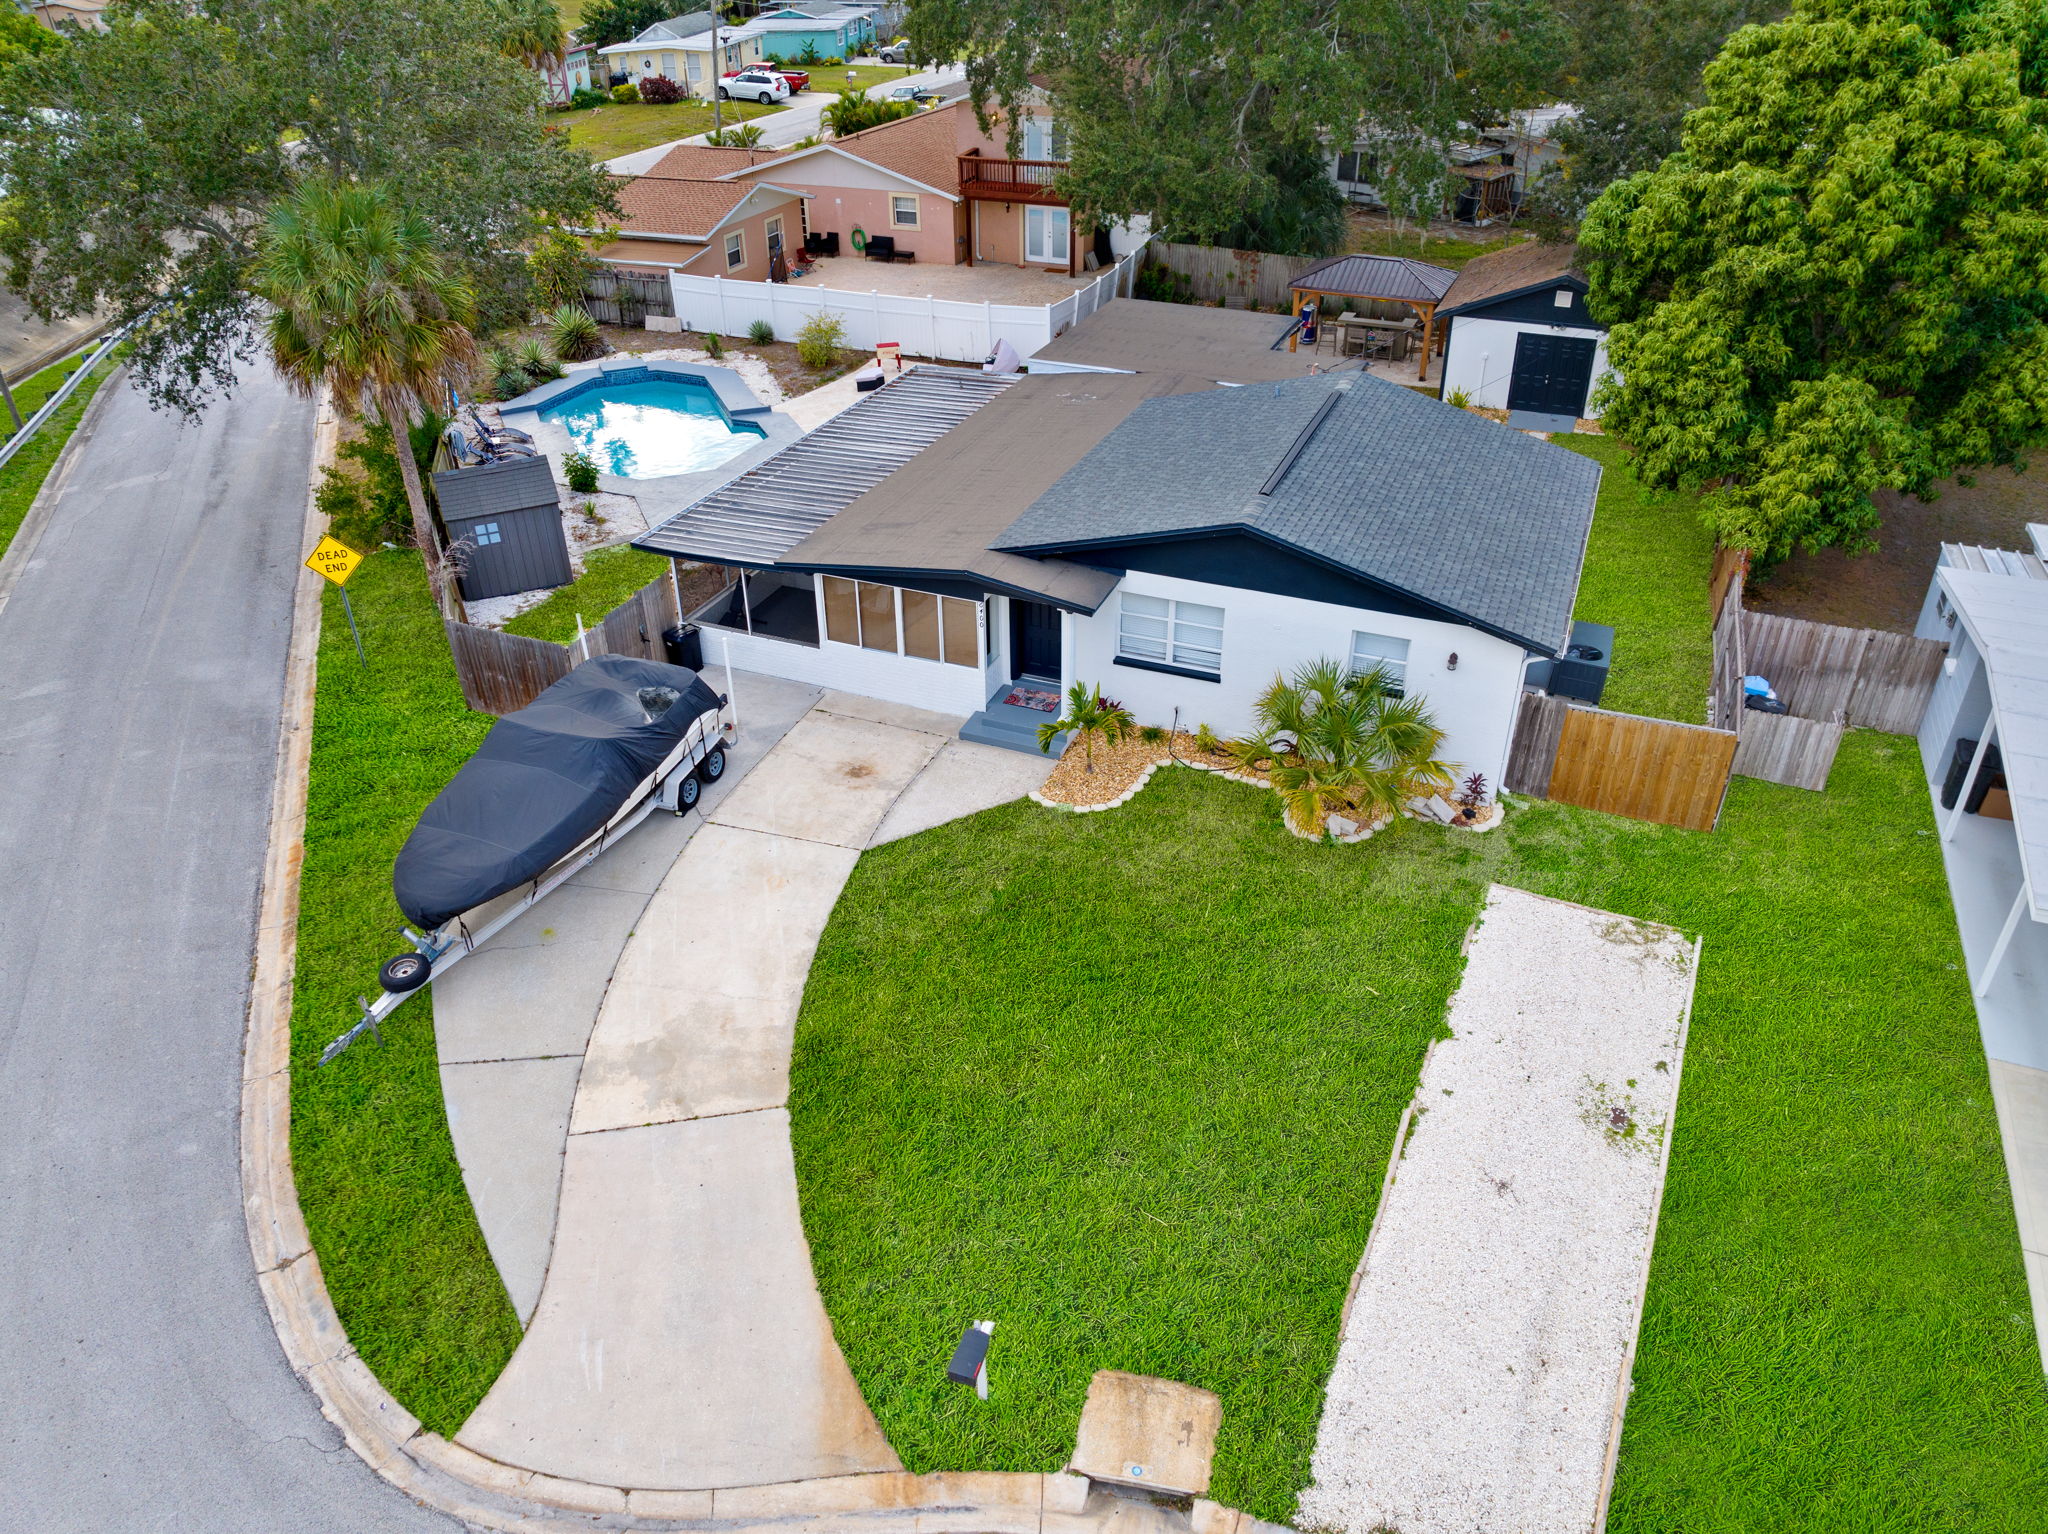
<point x="1033" y="697"/>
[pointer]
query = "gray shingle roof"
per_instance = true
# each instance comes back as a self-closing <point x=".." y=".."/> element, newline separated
<point x="1487" y="523"/>
<point x="1401" y="278"/>
<point x="511" y="484"/>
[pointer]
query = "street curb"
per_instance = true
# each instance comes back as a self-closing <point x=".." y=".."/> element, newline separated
<point x="486" y="1494"/>
<point x="22" y="548"/>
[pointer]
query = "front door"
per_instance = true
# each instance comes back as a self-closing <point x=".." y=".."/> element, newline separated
<point x="1034" y="640"/>
<point x="1552" y="373"/>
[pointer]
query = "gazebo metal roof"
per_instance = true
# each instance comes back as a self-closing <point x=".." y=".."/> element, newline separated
<point x="1396" y="278"/>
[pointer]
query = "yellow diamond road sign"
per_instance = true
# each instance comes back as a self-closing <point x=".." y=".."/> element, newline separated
<point x="335" y="560"/>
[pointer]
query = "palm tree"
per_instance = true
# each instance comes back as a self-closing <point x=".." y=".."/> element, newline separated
<point x="1089" y="714"/>
<point x="363" y="301"/>
<point x="535" y="36"/>
<point x="1333" y="741"/>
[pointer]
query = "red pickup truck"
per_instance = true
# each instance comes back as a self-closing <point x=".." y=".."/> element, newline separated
<point x="799" y="80"/>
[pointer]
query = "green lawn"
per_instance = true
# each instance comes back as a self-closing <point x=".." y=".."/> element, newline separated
<point x="606" y="132"/>
<point x="1437" y="250"/>
<point x="23" y="474"/>
<point x="1126" y="1083"/>
<point x="378" y="1180"/>
<point x="609" y="577"/>
<point x="831" y="79"/>
<point x="1646" y="573"/>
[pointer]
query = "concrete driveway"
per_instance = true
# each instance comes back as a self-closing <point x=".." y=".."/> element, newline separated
<point x="680" y="1343"/>
<point x="142" y="655"/>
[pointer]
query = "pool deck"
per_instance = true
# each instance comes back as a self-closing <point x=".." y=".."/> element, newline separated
<point x="662" y="497"/>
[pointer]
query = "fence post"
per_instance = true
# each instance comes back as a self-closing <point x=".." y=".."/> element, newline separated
<point x="718" y="287"/>
<point x="931" y="326"/>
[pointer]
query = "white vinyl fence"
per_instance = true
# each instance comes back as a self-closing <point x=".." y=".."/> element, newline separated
<point x="944" y="329"/>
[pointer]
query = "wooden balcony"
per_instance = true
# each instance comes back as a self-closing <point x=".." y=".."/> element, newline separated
<point x="983" y="179"/>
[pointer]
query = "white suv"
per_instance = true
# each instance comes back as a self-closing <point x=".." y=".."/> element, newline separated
<point x="754" y="85"/>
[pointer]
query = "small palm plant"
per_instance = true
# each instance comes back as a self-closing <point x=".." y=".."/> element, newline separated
<point x="573" y="335"/>
<point x="1089" y="715"/>
<point x="1334" y="741"/>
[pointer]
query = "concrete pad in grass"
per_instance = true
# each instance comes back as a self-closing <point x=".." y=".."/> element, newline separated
<point x="509" y="1119"/>
<point x="680" y="1342"/>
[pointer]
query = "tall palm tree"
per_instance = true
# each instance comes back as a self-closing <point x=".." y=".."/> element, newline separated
<point x="363" y="301"/>
<point x="1334" y="741"/>
<point x="535" y="36"/>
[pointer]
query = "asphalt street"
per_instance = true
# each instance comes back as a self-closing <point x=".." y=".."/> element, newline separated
<point x="142" y="655"/>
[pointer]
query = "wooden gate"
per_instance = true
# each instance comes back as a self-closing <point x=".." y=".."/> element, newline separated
<point x="501" y="672"/>
<point x="626" y="298"/>
<point x="1647" y="769"/>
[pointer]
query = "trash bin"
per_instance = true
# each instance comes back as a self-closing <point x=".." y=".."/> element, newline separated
<point x="684" y="645"/>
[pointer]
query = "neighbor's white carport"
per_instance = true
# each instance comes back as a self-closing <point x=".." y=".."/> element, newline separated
<point x="1997" y="693"/>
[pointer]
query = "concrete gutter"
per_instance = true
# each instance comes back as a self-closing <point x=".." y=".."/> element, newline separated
<point x="485" y="1493"/>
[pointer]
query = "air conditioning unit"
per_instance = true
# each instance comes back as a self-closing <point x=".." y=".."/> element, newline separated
<point x="1581" y="672"/>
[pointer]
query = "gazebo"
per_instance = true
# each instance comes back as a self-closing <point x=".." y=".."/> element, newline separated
<point x="1382" y="279"/>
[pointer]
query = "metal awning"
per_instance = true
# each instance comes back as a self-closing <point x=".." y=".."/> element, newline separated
<point x="767" y="511"/>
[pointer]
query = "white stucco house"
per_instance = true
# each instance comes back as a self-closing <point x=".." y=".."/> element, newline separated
<point x="1984" y="744"/>
<point x="1518" y="336"/>
<point x="681" y="49"/>
<point x="962" y="541"/>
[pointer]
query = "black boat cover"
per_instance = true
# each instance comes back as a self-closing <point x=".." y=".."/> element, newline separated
<point x="545" y="778"/>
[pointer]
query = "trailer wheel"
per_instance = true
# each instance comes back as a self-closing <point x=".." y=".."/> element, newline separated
<point x="688" y="792"/>
<point x="712" y="768"/>
<point x="406" y="972"/>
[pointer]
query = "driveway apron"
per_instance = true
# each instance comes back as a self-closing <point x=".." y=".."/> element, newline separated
<point x="679" y="1341"/>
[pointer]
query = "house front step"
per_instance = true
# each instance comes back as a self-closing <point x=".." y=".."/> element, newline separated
<point x="990" y="728"/>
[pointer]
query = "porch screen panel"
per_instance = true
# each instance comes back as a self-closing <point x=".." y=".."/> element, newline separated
<point x="921" y="625"/>
<point x="877" y="617"/>
<point x="961" y="630"/>
<point x="842" y="615"/>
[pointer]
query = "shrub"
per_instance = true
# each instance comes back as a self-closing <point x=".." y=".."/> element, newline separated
<point x="660" y="91"/>
<point x="536" y="364"/>
<point x="1206" y="741"/>
<point x="714" y="345"/>
<point x="1164" y="285"/>
<point x="573" y="334"/>
<point x="739" y="136"/>
<point x="852" y="113"/>
<point x="624" y="95"/>
<point x="817" y="344"/>
<point x="810" y="54"/>
<point x="559" y="264"/>
<point x="1458" y="399"/>
<point x="1152" y="734"/>
<point x="368" y="508"/>
<point x="581" y="472"/>
<point x="761" y="332"/>
<point x="833" y="62"/>
<point x="584" y="96"/>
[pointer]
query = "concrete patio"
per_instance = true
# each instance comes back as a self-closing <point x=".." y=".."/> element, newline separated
<point x="982" y="283"/>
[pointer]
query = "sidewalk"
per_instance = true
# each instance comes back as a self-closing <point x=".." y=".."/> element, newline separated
<point x="679" y="1342"/>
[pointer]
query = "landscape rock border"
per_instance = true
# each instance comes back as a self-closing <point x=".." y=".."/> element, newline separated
<point x="484" y="1493"/>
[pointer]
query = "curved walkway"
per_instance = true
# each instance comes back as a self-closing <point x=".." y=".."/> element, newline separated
<point x="680" y="1344"/>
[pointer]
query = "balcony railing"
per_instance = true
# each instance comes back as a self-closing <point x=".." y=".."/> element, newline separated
<point x="1010" y="180"/>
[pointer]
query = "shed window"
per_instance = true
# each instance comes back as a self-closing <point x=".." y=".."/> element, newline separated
<point x="1562" y="298"/>
<point x="1384" y="651"/>
<point x="486" y="532"/>
<point x="735" y="249"/>
<point x="1170" y="633"/>
<point x="903" y="212"/>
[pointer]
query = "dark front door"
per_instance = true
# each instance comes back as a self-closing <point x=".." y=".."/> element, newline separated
<point x="1552" y="374"/>
<point x="1034" y="639"/>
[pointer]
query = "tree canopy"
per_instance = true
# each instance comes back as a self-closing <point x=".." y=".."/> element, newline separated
<point x="141" y="161"/>
<point x="22" y="35"/>
<point x="1196" y="112"/>
<point x="1840" y="281"/>
<point x="617" y="21"/>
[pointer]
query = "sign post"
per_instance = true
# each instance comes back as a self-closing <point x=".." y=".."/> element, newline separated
<point x="335" y="561"/>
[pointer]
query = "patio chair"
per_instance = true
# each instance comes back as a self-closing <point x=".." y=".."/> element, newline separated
<point x="881" y="247"/>
<point x="500" y="433"/>
<point x="462" y="450"/>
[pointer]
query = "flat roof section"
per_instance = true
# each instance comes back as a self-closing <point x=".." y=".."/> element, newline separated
<point x="1138" y="335"/>
<point x="755" y="519"/>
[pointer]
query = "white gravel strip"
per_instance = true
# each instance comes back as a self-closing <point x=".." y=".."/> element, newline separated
<point x="1479" y="1382"/>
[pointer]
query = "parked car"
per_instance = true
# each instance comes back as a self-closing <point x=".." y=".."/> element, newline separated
<point x="897" y="52"/>
<point x="917" y="93"/>
<point x="799" y="80"/>
<point x="760" y="85"/>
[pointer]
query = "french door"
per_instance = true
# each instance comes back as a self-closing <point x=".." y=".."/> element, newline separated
<point x="1045" y="236"/>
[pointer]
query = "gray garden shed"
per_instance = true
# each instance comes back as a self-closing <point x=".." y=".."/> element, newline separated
<point x="508" y="516"/>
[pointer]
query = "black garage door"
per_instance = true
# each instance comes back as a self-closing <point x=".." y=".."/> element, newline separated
<point x="1552" y="374"/>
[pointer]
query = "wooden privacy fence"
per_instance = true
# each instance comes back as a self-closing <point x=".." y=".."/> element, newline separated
<point x="501" y="672"/>
<point x="1259" y="276"/>
<point x="613" y="297"/>
<point x="1647" y="769"/>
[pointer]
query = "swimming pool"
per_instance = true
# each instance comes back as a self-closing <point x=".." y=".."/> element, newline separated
<point x="651" y="428"/>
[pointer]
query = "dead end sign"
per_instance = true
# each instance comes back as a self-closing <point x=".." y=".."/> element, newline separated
<point x="333" y="560"/>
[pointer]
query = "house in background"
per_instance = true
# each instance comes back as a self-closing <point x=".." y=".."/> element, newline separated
<point x="579" y="70"/>
<point x="680" y="49"/>
<point x="957" y="540"/>
<point x="707" y="228"/>
<point x="792" y="33"/>
<point x="1984" y="745"/>
<point x="1493" y="172"/>
<point x="1520" y="338"/>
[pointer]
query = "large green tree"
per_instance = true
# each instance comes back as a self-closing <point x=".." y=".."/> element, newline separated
<point x="22" y="35"/>
<point x="1198" y="112"/>
<point x="1840" y="281"/>
<point x="617" y="21"/>
<point x="141" y="162"/>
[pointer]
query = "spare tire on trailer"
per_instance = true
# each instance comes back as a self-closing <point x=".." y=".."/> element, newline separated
<point x="405" y="972"/>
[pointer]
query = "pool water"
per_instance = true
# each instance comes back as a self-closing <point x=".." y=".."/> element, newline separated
<point x="649" y="429"/>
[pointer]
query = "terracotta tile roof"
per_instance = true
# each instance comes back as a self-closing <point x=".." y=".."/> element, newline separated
<point x="1510" y="271"/>
<point x="676" y="205"/>
<point x="701" y="162"/>
<point x="921" y="147"/>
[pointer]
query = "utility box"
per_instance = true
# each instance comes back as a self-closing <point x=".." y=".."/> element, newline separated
<point x="504" y="519"/>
